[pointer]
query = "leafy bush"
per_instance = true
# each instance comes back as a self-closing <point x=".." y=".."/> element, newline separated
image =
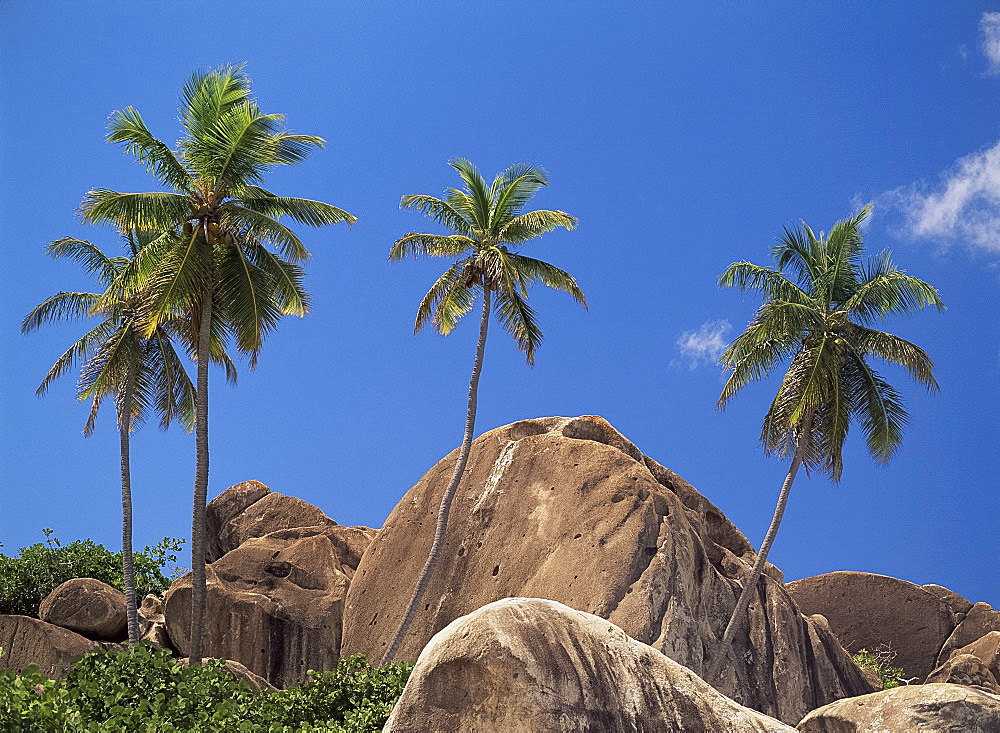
<point x="142" y="689"/>
<point x="880" y="661"/>
<point x="26" y="580"/>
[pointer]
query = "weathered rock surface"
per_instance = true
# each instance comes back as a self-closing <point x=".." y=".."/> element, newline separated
<point x="958" y="604"/>
<point x="967" y="670"/>
<point x="934" y="707"/>
<point x="275" y="602"/>
<point x="256" y="682"/>
<point x="570" y="510"/>
<point x="250" y="510"/>
<point x="153" y="624"/>
<point x="977" y="623"/>
<point x="867" y="611"/>
<point x="28" y="641"/>
<point x="526" y="664"/>
<point x="223" y="509"/>
<point x="89" y="607"/>
<point x="987" y="650"/>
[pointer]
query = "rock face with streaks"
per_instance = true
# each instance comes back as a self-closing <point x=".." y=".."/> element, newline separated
<point x="568" y="509"/>
<point x="250" y="509"/>
<point x="933" y="707"/>
<point x="28" y="641"/>
<point x="275" y="602"/>
<point x="968" y="670"/>
<point x="89" y="607"/>
<point x="525" y="664"/>
<point x="924" y="625"/>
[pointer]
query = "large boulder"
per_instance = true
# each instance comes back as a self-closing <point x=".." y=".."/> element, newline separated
<point x="869" y="611"/>
<point x="223" y="509"/>
<point x="525" y="664"/>
<point x="977" y="623"/>
<point x="275" y="602"/>
<point x="251" y="509"/>
<point x="968" y="670"/>
<point x="933" y="707"/>
<point x="26" y="641"/>
<point x="89" y="607"/>
<point x="987" y="650"/>
<point x="569" y="509"/>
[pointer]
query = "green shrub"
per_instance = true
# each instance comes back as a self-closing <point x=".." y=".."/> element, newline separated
<point x="880" y="661"/>
<point x="142" y="689"/>
<point x="26" y="580"/>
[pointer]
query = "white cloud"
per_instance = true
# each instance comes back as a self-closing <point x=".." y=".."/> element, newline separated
<point x="706" y="344"/>
<point x="989" y="24"/>
<point x="964" y="207"/>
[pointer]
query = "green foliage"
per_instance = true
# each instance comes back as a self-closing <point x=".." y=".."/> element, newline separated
<point x="40" y="568"/>
<point x="142" y="689"/>
<point x="880" y="661"/>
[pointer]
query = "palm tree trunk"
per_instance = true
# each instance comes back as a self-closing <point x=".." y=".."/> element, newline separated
<point x="750" y="586"/>
<point x="128" y="569"/>
<point x="449" y="492"/>
<point x="199" y="589"/>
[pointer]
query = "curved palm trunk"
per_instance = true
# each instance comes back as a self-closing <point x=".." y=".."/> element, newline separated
<point x="199" y="589"/>
<point x="128" y="569"/>
<point x="750" y="586"/>
<point x="449" y="492"/>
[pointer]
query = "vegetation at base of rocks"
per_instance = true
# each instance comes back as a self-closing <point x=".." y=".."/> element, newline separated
<point x="144" y="689"/>
<point x="40" y="568"/>
<point x="880" y="661"/>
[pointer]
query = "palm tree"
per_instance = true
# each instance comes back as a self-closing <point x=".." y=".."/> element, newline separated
<point x="213" y="267"/>
<point x="142" y="372"/>
<point x="820" y="318"/>
<point x="487" y="222"/>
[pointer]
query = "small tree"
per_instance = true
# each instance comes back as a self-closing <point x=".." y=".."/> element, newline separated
<point x="213" y="268"/>
<point x="819" y="318"/>
<point x="140" y="370"/>
<point x="487" y="222"/>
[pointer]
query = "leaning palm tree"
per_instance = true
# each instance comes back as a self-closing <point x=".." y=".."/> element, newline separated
<point x="820" y="302"/>
<point x="213" y="268"/>
<point x="487" y="223"/>
<point x="142" y="372"/>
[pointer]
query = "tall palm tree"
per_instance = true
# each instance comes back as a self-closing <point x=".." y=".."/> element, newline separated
<point x="142" y="372"/>
<point x="213" y="267"/>
<point x="487" y="223"/>
<point x="820" y="302"/>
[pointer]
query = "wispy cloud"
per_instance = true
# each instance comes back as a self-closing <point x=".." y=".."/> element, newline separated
<point x="704" y="345"/>
<point x="964" y="207"/>
<point x="989" y="24"/>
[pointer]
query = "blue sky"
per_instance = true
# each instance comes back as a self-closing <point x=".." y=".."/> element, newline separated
<point x="683" y="135"/>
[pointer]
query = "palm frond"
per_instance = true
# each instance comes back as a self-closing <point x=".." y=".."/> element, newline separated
<point x="752" y="356"/>
<point x="127" y="128"/>
<point x="533" y="224"/>
<point x="513" y="189"/>
<point x="304" y="211"/>
<point x="156" y="210"/>
<point x="255" y="226"/>
<point x="893" y="349"/>
<point x="81" y="351"/>
<point x="748" y="276"/>
<point x="208" y="95"/>
<point x="887" y="290"/>
<point x="549" y="275"/>
<point x="89" y="256"/>
<point x="477" y="192"/>
<point x="432" y="245"/>
<point x="440" y="211"/>
<point x="286" y="287"/>
<point x="452" y="290"/>
<point x="879" y="407"/>
<point x="798" y="250"/>
<point x="59" y="307"/>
